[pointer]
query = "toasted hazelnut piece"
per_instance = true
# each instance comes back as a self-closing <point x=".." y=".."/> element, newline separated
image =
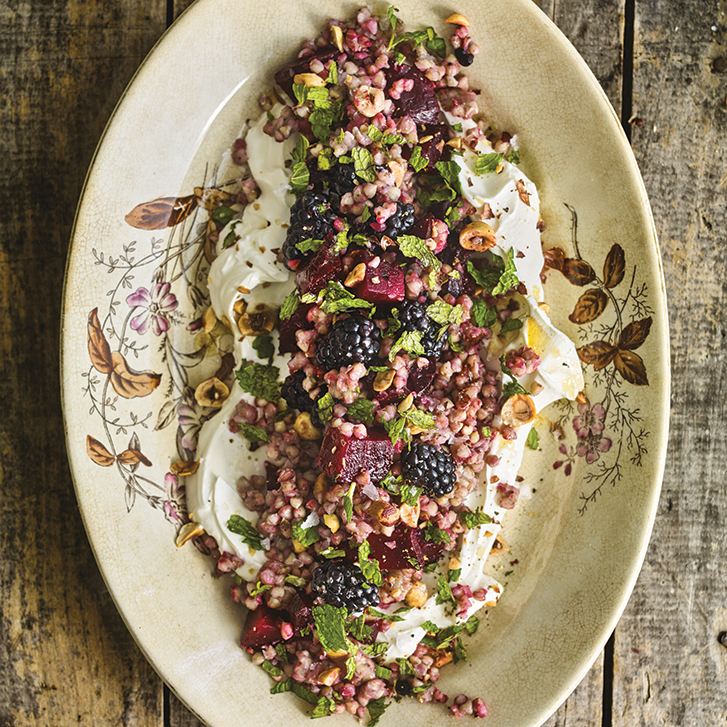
<point x="369" y="100"/>
<point x="337" y="37"/>
<point x="338" y="654"/>
<point x="332" y="522"/>
<point x="305" y="429"/>
<point x="242" y="289"/>
<point x="417" y="595"/>
<point x="184" y="468"/>
<point x="239" y="307"/>
<point x="257" y="322"/>
<point x="308" y="79"/>
<point x="187" y="532"/>
<point x="384" y="379"/>
<point x="321" y="485"/>
<point x="518" y="410"/>
<point x="209" y="319"/>
<point x="386" y="513"/>
<point x="544" y="307"/>
<point x="456" y="142"/>
<point x="499" y="546"/>
<point x="477" y="236"/>
<point x="582" y="398"/>
<point x="443" y="659"/>
<point x="522" y="192"/>
<point x="457" y="19"/>
<point x="329" y="677"/>
<point x="356" y="275"/>
<point x="425" y="139"/>
<point x="398" y="171"/>
<point x="406" y="403"/>
<point x="211" y="393"/>
<point x="298" y="547"/>
<point x="454" y="563"/>
<point x="409" y="515"/>
<point x="413" y="431"/>
<point x="491" y="604"/>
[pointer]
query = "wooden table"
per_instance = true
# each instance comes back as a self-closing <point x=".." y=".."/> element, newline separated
<point x="65" y="654"/>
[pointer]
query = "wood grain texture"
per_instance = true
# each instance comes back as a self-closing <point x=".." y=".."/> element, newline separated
<point x="65" y="655"/>
<point x="669" y="667"/>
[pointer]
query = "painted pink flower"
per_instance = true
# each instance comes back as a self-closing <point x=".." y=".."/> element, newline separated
<point x="592" y="447"/>
<point x="191" y="419"/>
<point x="174" y="509"/>
<point x="591" y="422"/>
<point x="156" y="305"/>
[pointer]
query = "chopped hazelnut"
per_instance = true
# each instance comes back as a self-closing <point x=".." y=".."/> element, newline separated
<point x="519" y="409"/>
<point x="305" y="429"/>
<point x="478" y="236"/>
<point x="211" y="393"/>
<point x="417" y="595"/>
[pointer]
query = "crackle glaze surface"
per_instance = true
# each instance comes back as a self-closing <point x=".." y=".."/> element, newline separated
<point x="132" y="354"/>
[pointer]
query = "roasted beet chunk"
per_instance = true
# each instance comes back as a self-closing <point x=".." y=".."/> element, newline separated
<point x="297" y="322"/>
<point x="284" y="77"/>
<point x="324" y="266"/>
<point x="382" y="284"/>
<point x="421" y="102"/>
<point x="343" y="458"/>
<point x="405" y="548"/>
<point x="262" y="628"/>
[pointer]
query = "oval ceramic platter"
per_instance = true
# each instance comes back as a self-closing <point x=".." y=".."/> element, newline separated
<point x="134" y="349"/>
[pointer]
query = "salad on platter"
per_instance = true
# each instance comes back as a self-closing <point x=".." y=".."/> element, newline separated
<point x="381" y="275"/>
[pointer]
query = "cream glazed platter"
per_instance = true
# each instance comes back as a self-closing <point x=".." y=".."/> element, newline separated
<point x="137" y="340"/>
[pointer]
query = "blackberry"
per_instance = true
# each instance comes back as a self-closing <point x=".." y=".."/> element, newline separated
<point x="413" y="317"/>
<point x="311" y="217"/>
<point x="344" y="586"/>
<point x="343" y="179"/>
<point x="424" y="465"/>
<point x="464" y="58"/>
<point x="400" y="222"/>
<point x="353" y="340"/>
<point x="298" y="398"/>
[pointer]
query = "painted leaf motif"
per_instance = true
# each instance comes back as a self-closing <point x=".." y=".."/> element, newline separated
<point x="166" y="415"/>
<point x="133" y="456"/>
<point x="631" y="366"/>
<point x="589" y="306"/>
<point x="634" y="334"/>
<point x="162" y="212"/>
<point x="578" y="272"/>
<point x="129" y="383"/>
<point x="614" y="266"/>
<point x="98" y="347"/>
<point x="554" y="258"/>
<point x="599" y="354"/>
<point x="98" y="453"/>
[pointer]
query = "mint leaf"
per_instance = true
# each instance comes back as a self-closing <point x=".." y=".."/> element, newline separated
<point x="260" y="380"/>
<point x="333" y="73"/>
<point x="393" y="21"/>
<point x="450" y="174"/>
<point x="303" y="692"/>
<point x="300" y="91"/>
<point x="473" y="519"/>
<point x="223" y="214"/>
<point x="301" y="150"/>
<point x="490" y="274"/>
<point x="454" y="575"/>
<point x="324" y="707"/>
<point x="305" y="536"/>
<point x="363" y="163"/>
<point x="309" y="245"/>
<point x="359" y="630"/>
<point x="509" y="278"/>
<point x="318" y="96"/>
<point x="300" y="178"/>
<point x="382" y="672"/>
<point x="487" y="163"/>
<point x="253" y="433"/>
<point x="260" y="587"/>
<point x="363" y="410"/>
<point x="376" y="708"/>
<point x="391" y="617"/>
<point x="460" y="650"/>
<point x="375" y="134"/>
<point x="334" y="298"/>
<point x="263" y="346"/>
<point x="331" y="553"/>
<point x="434" y="535"/>
<point x="444" y="592"/>
<point x="513" y="156"/>
<point x="405" y="667"/>
<point x="510" y="324"/>
<point x="483" y="315"/>
<point x="410" y="494"/>
<point x="395" y="429"/>
<point x="415" y="247"/>
<point x="445" y="314"/>
<point x="348" y="502"/>
<point x="285" y="686"/>
<point x="472" y="624"/>
<point x="271" y="669"/>
<point x="330" y="623"/>
<point x="231" y="237"/>
<point x="409" y="341"/>
<point x="323" y="119"/>
<point x="325" y="407"/>
<point x="290" y="305"/>
<point x="246" y="530"/>
<point x="369" y="566"/>
<point x="416" y="160"/>
<point x="512" y="388"/>
<point x="421" y="419"/>
<point x="350" y="667"/>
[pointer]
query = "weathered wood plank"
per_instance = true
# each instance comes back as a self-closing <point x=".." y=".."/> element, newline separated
<point x="669" y="667"/>
<point x="65" y="655"/>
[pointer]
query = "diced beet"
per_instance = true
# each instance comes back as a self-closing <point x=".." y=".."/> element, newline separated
<point x="271" y="476"/>
<point x="262" y="628"/>
<point x="324" y="266"/>
<point x="471" y="335"/>
<point x="390" y="395"/>
<point x="297" y="322"/>
<point x="343" y="458"/>
<point x="300" y="608"/>
<point x="382" y="284"/>
<point x="420" y="379"/>
<point x="423" y="226"/>
<point x="284" y="77"/>
<point x="435" y="149"/>
<point x="421" y="102"/>
<point x="428" y="551"/>
<point x="396" y="551"/>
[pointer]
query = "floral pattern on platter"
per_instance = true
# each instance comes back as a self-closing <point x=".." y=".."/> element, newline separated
<point x="610" y="351"/>
<point x="174" y="274"/>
